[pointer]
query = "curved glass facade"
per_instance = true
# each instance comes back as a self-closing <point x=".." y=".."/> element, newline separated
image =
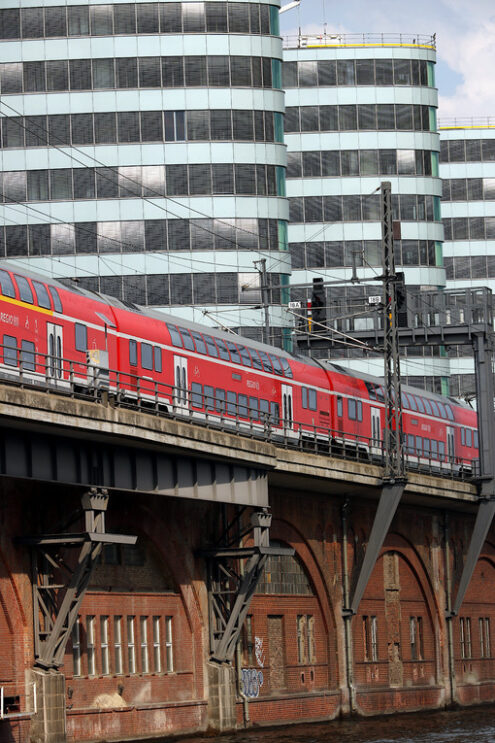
<point x="142" y="152"/>
<point x="357" y="115"/>
<point x="467" y="167"/>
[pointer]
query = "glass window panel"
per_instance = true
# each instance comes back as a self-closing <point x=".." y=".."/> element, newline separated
<point x="15" y="240"/>
<point x="129" y="180"/>
<point x="103" y="74"/>
<point x="257" y="72"/>
<point x="347" y="118"/>
<point x="171" y="18"/>
<point x="57" y="75"/>
<point x="311" y="162"/>
<point x="238" y="17"/>
<point x="37" y="185"/>
<point x="62" y="239"/>
<point x="61" y="183"/>
<point x="13" y="131"/>
<point x="289" y="72"/>
<point x="101" y="20"/>
<point x="218" y="71"/>
<point x="458" y="189"/>
<point x="176" y="180"/>
<point x="402" y="72"/>
<point x="132" y="236"/>
<point x="108" y="237"/>
<point x="457" y="151"/>
<point x="158" y="289"/>
<point x="245" y="179"/>
<point x="124" y="18"/>
<point x="327" y="72"/>
<point x="178" y="234"/>
<point x="350" y="162"/>
<point x="153" y="180"/>
<point x="308" y="74"/>
<point x="78" y="19"/>
<point x="149" y="72"/>
<point x="243" y="125"/>
<point x="406" y="161"/>
<point x="128" y="126"/>
<point x="32" y="23"/>
<point x="11" y="78"/>
<point x="200" y="179"/>
<point x="371" y="208"/>
<point x="10" y="25"/>
<point x="488" y="189"/>
<point x="259" y="126"/>
<point x="329" y="118"/>
<point x="264" y="19"/>
<point x="488" y="150"/>
<point x="351" y="208"/>
<point x="404" y="117"/>
<point x="84" y="183"/>
<point x="14" y="185"/>
<point x="34" y="77"/>
<point x="181" y="291"/>
<point x="294" y="165"/>
<point x="195" y="71"/>
<point x="254" y="18"/>
<point x="55" y="21"/>
<point x="240" y="71"/>
<point x="309" y="119"/>
<point x="384" y="72"/>
<point x="490" y="228"/>
<point x="216" y="17"/>
<point x="366" y="117"/>
<point x="105" y="128"/>
<point x="147" y="18"/>
<point x="473" y="150"/>
<point x="80" y="74"/>
<point x="59" y="129"/>
<point x="127" y="74"/>
<point x="365" y="72"/>
<point x="460" y="228"/>
<point x="85" y="237"/>
<point x="330" y="163"/>
<point x="198" y="125"/>
<point x="346" y="72"/>
<point x="388" y="162"/>
<point x="39" y="239"/>
<point x="313" y="209"/>
<point x="223" y="178"/>
<point x="151" y="126"/>
<point x="106" y="183"/>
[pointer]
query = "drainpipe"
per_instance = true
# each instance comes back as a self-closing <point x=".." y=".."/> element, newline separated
<point x="347" y="615"/>
<point x="448" y="588"/>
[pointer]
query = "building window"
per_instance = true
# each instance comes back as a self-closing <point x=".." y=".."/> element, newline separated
<point x="416" y="638"/>
<point x="105" y="663"/>
<point x="370" y="638"/>
<point x="90" y="645"/>
<point x="157" y="648"/>
<point x="143" y="627"/>
<point x="465" y="637"/>
<point x="168" y="645"/>
<point x="117" y="644"/>
<point x="131" y="646"/>
<point x="248" y="641"/>
<point x="306" y="652"/>
<point x="485" y="643"/>
<point x="76" y="648"/>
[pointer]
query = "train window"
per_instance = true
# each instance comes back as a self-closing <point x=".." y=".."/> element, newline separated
<point x="274" y="413"/>
<point x="246" y="358"/>
<point x="42" y="295"/>
<point x="234" y="353"/>
<point x="209" y="398"/>
<point x="9" y="350"/>
<point x="410" y="443"/>
<point x="146" y="356"/>
<point x="443" y="412"/>
<point x="264" y="410"/>
<point x="475" y="440"/>
<point x="175" y="336"/>
<point x="220" y="400"/>
<point x="277" y="366"/>
<point x="198" y="339"/>
<point x="450" y="414"/>
<point x="371" y="390"/>
<point x="426" y="447"/>
<point x="469" y="437"/>
<point x="340" y="407"/>
<point x="419" y="403"/>
<point x="81" y="337"/>
<point x="463" y="436"/>
<point x="304" y="397"/>
<point x="28" y="357"/>
<point x="405" y="401"/>
<point x="419" y="445"/>
<point x="412" y="402"/>
<point x="256" y="360"/>
<point x="434" y="408"/>
<point x="57" y="304"/>
<point x="427" y="405"/>
<point x="158" y="358"/>
<point x="351" y="409"/>
<point x="133" y="353"/>
<point x="222" y="349"/>
<point x="312" y="400"/>
<point x="243" y="406"/>
<point x="434" y="448"/>
<point x="188" y="341"/>
<point x="253" y="408"/>
<point x="231" y="403"/>
<point x="267" y="364"/>
<point x="441" y="449"/>
<point x="25" y="292"/>
<point x="286" y="367"/>
<point x="212" y="350"/>
<point x="6" y="284"/>
<point x="196" y="395"/>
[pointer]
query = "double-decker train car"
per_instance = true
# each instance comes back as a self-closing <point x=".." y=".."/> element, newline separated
<point x="68" y="338"/>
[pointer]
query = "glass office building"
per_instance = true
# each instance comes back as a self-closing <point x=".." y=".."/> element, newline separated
<point x="361" y="110"/>
<point x="467" y="167"/>
<point x="142" y="152"/>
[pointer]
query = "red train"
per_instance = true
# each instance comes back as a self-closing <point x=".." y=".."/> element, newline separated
<point x="70" y="338"/>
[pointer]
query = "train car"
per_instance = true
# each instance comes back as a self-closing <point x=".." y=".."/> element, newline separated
<point x="69" y="338"/>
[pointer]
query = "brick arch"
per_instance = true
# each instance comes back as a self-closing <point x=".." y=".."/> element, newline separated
<point x="480" y="587"/>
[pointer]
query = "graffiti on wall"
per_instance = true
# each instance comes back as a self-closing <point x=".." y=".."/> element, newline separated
<point x="252" y="678"/>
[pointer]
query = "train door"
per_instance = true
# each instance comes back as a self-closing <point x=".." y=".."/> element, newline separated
<point x="180" y="383"/>
<point x="287" y="406"/>
<point x="54" y="359"/>
<point x="450" y="445"/>
<point x="375" y="431"/>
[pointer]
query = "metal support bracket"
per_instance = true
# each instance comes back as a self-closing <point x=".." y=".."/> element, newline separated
<point x="56" y="601"/>
<point x="387" y="506"/>
<point x="233" y="576"/>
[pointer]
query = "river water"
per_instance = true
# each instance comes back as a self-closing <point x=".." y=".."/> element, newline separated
<point x="463" y="726"/>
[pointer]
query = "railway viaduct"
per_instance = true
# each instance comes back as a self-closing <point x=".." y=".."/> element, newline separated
<point x="232" y="606"/>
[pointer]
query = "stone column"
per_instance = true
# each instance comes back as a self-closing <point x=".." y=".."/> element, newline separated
<point x="48" y="699"/>
<point x="221" y="697"/>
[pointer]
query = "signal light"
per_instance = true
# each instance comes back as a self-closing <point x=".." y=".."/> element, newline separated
<point x="318" y="302"/>
<point x="401" y="300"/>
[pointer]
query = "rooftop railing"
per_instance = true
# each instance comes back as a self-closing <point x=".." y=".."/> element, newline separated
<point x="303" y="41"/>
<point x="474" y="122"/>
